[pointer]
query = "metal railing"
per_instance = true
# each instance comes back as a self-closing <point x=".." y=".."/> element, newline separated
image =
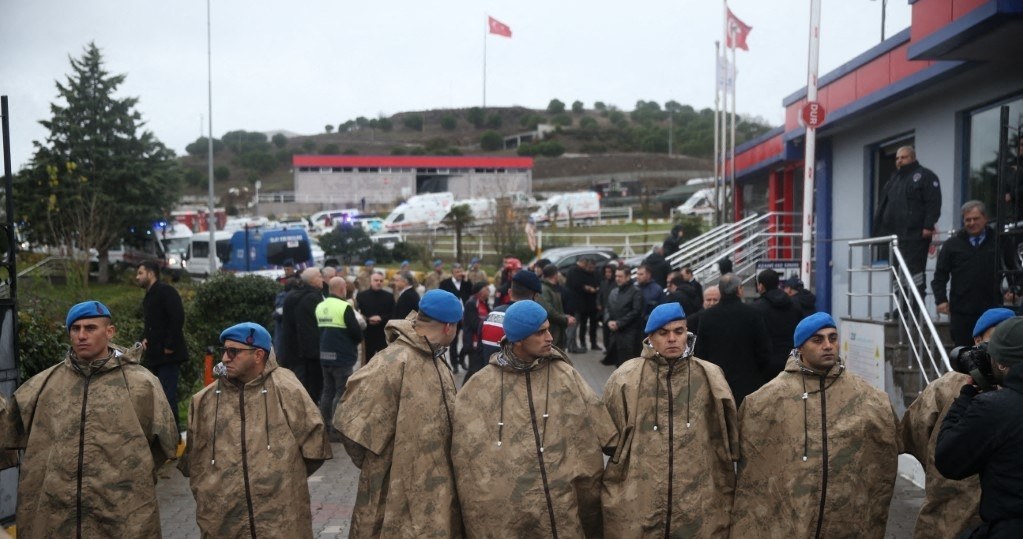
<point x="899" y="299"/>
<point x="770" y="236"/>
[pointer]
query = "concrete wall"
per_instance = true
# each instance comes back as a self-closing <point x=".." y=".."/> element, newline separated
<point x="935" y="117"/>
<point x="486" y="185"/>
<point x="343" y="189"/>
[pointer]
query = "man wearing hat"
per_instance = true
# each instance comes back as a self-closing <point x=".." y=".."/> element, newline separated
<point x="818" y="447"/>
<point x="527" y="439"/>
<point x="524" y="285"/>
<point x="435" y="277"/>
<point x="951" y="506"/>
<point x="807" y="301"/>
<point x="981" y="434"/>
<point x="395" y="423"/>
<point x="475" y="273"/>
<point x="94" y="429"/>
<point x="254" y="437"/>
<point x="377" y="307"/>
<point x="672" y="463"/>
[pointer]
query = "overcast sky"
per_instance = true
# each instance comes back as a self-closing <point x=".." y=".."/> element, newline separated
<point x="301" y="65"/>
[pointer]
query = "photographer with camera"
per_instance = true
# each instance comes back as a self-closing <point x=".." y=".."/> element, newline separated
<point x="983" y="434"/>
<point x="948" y="505"/>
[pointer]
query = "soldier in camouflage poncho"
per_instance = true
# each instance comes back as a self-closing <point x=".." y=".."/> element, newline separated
<point x="819" y="449"/>
<point x="395" y="420"/>
<point x="950" y="507"/>
<point x="672" y="472"/>
<point x="254" y="436"/>
<point x="528" y="435"/>
<point x="95" y="428"/>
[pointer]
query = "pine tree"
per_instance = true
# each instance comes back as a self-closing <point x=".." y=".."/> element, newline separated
<point x="98" y="173"/>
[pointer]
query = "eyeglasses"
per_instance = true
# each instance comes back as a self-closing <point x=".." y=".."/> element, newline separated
<point x="233" y="352"/>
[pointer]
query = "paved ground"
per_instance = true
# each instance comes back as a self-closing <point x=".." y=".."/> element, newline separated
<point x="334" y="486"/>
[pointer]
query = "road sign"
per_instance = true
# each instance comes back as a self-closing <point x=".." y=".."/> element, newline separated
<point x="813" y="114"/>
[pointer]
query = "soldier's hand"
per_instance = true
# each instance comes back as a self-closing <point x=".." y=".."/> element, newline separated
<point x="942" y="308"/>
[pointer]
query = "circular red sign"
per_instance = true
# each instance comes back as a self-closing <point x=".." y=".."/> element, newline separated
<point x="813" y="114"/>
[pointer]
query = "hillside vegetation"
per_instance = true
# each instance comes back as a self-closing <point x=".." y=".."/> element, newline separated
<point x="242" y="157"/>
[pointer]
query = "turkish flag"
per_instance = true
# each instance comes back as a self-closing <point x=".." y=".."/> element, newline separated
<point x="737" y="31"/>
<point x="498" y="27"/>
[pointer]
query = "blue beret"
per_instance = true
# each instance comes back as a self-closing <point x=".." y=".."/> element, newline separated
<point x="522" y="319"/>
<point x="475" y="260"/>
<point x="249" y="333"/>
<point x="370" y="262"/>
<point x="404" y="263"/>
<point x="529" y="280"/>
<point x="437" y="262"/>
<point x="662" y="314"/>
<point x="990" y="319"/>
<point x="441" y="305"/>
<point x="810" y="325"/>
<point x="86" y="309"/>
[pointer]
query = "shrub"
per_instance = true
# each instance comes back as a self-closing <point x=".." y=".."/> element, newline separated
<point x="491" y="141"/>
<point x="449" y="122"/>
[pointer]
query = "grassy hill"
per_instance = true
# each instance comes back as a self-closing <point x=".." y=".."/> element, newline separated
<point x="598" y="140"/>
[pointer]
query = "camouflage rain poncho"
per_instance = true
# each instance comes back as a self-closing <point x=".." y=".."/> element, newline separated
<point x="532" y="474"/>
<point x="395" y="417"/>
<point x="92" y="447"/>
<point x="849" y="481"/>
<point x="678" y="438"/>
<point x="950" y="507"/>
<point x="249" y="452"/>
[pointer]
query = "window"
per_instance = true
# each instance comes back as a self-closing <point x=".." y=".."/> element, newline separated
<point x="982" y="150"/>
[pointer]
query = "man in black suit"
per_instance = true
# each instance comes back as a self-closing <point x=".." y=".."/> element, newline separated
<point x="302" y="333"/>
<point x="462" y="290"/>
<point x="408" y="298"/>
<point x="734" y="337"/>
<point x="163" y="335"/>
<point x="377" y="306"/>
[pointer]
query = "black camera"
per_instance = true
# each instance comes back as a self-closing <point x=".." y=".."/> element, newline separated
<point x="976" y="362"/>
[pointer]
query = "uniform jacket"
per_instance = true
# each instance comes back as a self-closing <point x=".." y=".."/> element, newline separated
<point x="539" y="474"/>
<point x="249" y="452"/>
<point x="982" y="435"/>
<point x="395" y="419"/>
<point x="340" y="333"/>
<point x="671" y="471"/>
<point x="93" y="443"/>
<point x="475" y="275"/>
<point x="164" y="320"/>
<point x="950" y="506"/>
<point x="733" y="336"/>
<point x="847" y="433"/>
<point x="910" y="202"/>
<point x="433" y="280"/>
<point x="974" y="272"/>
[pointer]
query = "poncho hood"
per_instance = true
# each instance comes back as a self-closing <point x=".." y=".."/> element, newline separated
<point x="117" y="355"/>
<point x="508" y="362"/>
<point x="403" y="331"/>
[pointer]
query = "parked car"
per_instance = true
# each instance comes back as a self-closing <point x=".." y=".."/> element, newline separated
<point x="566" y="257"/>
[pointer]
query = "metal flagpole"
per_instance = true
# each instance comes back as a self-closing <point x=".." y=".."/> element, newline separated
<point x="211" y="218"/>
<point x="717" y="118"/>
<point x="485" y="31"/>
<point x="724" y="111"/>
<point x="731" y="158"/>
<point x="811" y="142"/>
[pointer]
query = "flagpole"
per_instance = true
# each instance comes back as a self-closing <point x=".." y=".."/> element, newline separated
<point x="735" y="207"/>
<point x="809" y="160"/>
<point x="717" y="119"/>
<point x="728" y="197"/>
<point x="485" y="30"/>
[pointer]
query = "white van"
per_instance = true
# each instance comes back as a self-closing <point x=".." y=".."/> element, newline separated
<point x="583" y="206"/>
<point x="420" y="211"/>
<point x="700" y="203"/>
<point x="199" y="264"/>
<point x="483" y="209"/>
<point x="325" y="221"/>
